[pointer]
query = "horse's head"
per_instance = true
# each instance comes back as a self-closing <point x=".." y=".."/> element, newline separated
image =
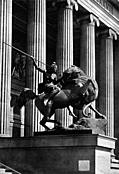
<point x="75" y="76"/>
<point x="74" y="72"/>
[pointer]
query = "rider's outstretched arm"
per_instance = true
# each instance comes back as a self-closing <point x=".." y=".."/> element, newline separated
<point x="39" y="69"/>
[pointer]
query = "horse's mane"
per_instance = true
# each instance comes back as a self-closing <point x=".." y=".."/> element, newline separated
<point x="74" y="69"/>
<point x="75" y="76"/>
<point x="74" y="73"/>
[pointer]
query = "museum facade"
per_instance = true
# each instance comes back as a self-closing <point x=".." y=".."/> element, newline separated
<point x="83" y="33"/>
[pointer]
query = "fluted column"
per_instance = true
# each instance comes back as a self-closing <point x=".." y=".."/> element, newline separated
<point x="5" y="64"/>
<point x="64" y="57"/>
<point x="37" y="48"/>
<point x="87" y="45"/>
<point x="106" y="78"/>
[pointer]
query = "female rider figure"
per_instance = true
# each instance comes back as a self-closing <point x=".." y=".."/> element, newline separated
<point x="49" y="83"/>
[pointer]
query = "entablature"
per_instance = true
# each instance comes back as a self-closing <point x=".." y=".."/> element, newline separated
<point x="104" y="15"/>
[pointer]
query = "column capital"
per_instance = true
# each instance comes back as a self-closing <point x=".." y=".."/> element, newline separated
<point x="73" y="3"/>
<point x="108" y="33"/>
<point x="91" y="18"/>
<point x="113" y="34"/>
<point x="66" y="3"/>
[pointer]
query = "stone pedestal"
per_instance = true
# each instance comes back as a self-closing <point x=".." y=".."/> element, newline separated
<point x="59" y="154"/>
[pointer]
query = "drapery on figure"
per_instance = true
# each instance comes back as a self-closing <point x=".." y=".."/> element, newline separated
<point x="16" y="66"/>
<point x="49" y="82"/>
<point x="19" y="64"/>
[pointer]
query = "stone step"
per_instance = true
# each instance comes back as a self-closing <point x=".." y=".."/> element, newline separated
<point x="115" y="164"/>
<point x="7" y="170"/>
<point x="2" y="170"/>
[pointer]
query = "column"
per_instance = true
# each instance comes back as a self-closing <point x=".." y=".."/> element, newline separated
<point x="106" y="78"/>
<point x="64" y="56"/>
<point x="5" y="64"/>
<point x="87" y="46"/>
<point x="116" y="97"/>
<point x="36" y="48"/>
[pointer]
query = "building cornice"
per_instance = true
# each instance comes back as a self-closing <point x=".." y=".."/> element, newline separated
<point x="103" y="14"/>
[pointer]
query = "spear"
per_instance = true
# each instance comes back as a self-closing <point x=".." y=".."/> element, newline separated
<point x="19" y="50"/>
<point x="33" y="58"/>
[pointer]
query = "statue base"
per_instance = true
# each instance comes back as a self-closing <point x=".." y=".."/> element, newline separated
<point x="64" y="131"/>
<point x="82" y="126"/>
<point x="98" y="126"/>
<point x="60" y="154"/>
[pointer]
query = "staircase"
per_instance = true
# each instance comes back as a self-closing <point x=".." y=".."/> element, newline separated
<point x="114" y="165"/>
<point x="4" y="169"/>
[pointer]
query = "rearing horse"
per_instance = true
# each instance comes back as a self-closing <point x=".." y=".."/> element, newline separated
<point x="78" y="90"/>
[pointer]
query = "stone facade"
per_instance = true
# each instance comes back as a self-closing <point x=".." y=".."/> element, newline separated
<point x="46" y="30"/>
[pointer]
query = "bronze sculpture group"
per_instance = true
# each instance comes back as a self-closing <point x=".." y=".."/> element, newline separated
<point x="74" y="88"/>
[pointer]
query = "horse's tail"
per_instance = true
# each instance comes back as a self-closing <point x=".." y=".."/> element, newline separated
<point x="93" y="109"/>
<point x="26" y="95"/>
<point x="96" y="111"/>
<point x="84" y="110"/>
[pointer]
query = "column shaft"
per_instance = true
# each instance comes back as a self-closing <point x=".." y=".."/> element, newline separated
<point x="64" y="51"/>
<point x="87" y="51"/>
<point x="5" y="65"/>
<point x="37" y="48"/>
<point x="87" y="47"/>
<point x="106" y="82"/>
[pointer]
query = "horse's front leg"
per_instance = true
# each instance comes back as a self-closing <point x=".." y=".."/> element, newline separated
<point x="45" y="119"/>
<point x="43" y="122"/>
<point x="70" y="112"/>
<point x="55" y="121"/>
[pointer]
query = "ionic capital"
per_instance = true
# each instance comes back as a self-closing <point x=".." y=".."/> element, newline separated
<point x="108" y="33"/>
<point x="113" y="34"/>
<point x="89" y="18"/>
<point x="73" y="3"/>
<point x="66" y="3"/>
<point x="94" y="19"/>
